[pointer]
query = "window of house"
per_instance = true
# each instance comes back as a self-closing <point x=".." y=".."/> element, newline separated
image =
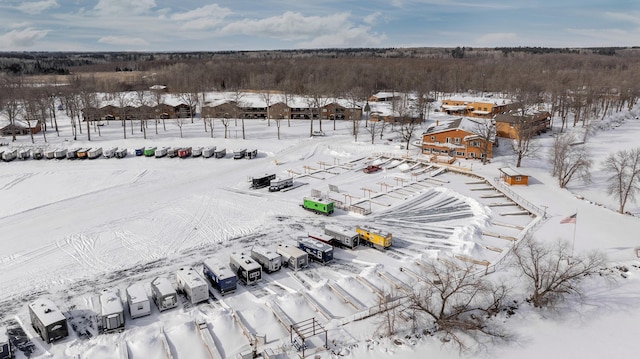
<point x="518" y="178"/>
<point x="444" y="152"/>
<point x="433" y="138"/>
<point x="456" y="140"/>
<point x="447" y="140"/>
<point x="458" y="153"/>
<point x="472" y="154"/>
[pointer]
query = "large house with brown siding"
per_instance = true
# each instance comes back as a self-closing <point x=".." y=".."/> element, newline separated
<point x="507" y="124"/>
<point x="476" y="107"/>
<point x="460" y="138"/>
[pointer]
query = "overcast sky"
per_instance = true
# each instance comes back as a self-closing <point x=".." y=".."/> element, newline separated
<point x="200" y="25"/>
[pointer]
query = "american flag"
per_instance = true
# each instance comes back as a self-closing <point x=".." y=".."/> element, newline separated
<point x="571" y="219"/>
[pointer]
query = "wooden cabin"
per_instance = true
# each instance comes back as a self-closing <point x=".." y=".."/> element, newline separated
<point x="513" y="176"/>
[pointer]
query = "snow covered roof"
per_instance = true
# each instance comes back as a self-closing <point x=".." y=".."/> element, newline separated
<point x="46" y="311"/>
<point x="268" y="253"/>
<point x="511" y="172"/>
<point x="190" y="277"/>
<point x="220" y="270"/>
<point x="3" y="335"/>
<point x="110" y="303"/>
<point x="163" y="286"/>
<point x="467" y="124"/>
<point x="480" y="99"/>
<point x="137" y="294"/>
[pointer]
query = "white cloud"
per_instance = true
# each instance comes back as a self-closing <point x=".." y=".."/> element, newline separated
<point x="20" y="39"/>
<point x="497" y="39"/>
<point x="605" y="37"/>
<point x="37" y="7"/>
<point x="123" y="41"/>
<point x="372" y="18"/>
<point x="288" y="26"/>
<point x="348" y="37"/>
<point x="113" y="7"/>
<point x="202" y="18"/>
<point x="632" y="17"/>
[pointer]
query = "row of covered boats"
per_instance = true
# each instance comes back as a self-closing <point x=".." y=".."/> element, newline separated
<point x="114" y="152"/>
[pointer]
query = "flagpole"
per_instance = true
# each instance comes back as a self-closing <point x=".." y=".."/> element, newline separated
<point x="575" y="224"/>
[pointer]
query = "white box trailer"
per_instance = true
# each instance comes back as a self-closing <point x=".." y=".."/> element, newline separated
<point x="208" y="152"/>
<point x="192" y="285"/>
<point x="163" y="294"/>
<point x="121" y="153"/>
<point x="268" y="259"/>
<point x="343" y="236"/>
<point x="197" y="152"/>
<point x="110" y="152"/>
<point x="24" y="154"/>
<point x="50" y="154"/>
<point x="37" y="153"/>
<point x="293" y="257"/>
<point x="47" y="320"/>
<point x="10" y="155"/>
<point x="94" y="153"/>
<point x="161" y="152"/>
<point x="111" y="312"/>
<point x="138" y="301"/>
<point x="245" y="268"/>
<point x="278" y="184"/>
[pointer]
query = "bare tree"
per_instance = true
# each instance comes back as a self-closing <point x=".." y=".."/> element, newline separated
<point x="123" y="101"/>
<point x="485" y="131"/>
<point x="180" y="124"/>
<point x="375" y="128"/>
<point x="553" y="272"/>
<point x="457" y="303"/>
<point x="624" y="182"/>
<point x="569" y="159"/>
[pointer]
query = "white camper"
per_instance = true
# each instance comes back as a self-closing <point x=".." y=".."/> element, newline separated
<point x="293" y="257"/>
<point x="121" y="153"/>
<point x="278" y="184"/>
<point x="192" y="285"/>
<point x="343" y="236"/>
<point x="161" y="152"/>
<point x="163" y="294"/>
<point x="111" y="312"/>
<point x="48" y="320"/>
<point x="268" y="259"/>
<point x="138" y="301"/>
<point x="208" y="152"/>
<point x="6" y="350"/>
<point x="245" y="268"/>
<point x="94" y="153"/>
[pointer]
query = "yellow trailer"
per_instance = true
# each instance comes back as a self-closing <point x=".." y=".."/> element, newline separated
<point x="374" y="237"/>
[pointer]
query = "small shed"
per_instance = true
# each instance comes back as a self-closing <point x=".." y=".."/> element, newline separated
<point x="513" y="176"/>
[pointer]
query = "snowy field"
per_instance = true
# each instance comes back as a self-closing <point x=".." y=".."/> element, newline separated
<point x="72" y="228"/>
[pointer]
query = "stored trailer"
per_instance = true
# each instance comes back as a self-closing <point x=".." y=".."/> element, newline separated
<point x="374" y="237"/>
<point x="251" y="154"/>
<point x="10" y="155"/>
<point x="317" y="251"/>
<point x="239" y="154"/>
<point x="184" y="152"/>
<point x="343" y="237"/>
<point x="293" y="257"/>
<point x="121" y="153"/>
<point x="47" y="320"/>
<point x="222" y="153"/>
<point x="161" y="152"/>
<point x="197" y="152"/>
<point x="149" y="151"/>
<point x="138" y="301"/>
<point x="111" y="312"/>
<point x="138" y="151"/>
<point x="110" y="152"/>
<point x="60" y="153"/>
<point x="262" y="181"/>
<point x="72" y="153"/>
<point x="219" y="276"/>
<point x="268" y="259"/>
<point x="192" y="285"/>
<point x="172" y="152"/>
<point x="6" y="349"/>
<point x="24" y="154"/>
<point x="208" y="152"/>
<point x="83" y="153"/>
<point x="245" y="268"/>
<point x="278" y="184"/>
<point x="163" y="294"/>
<point x="37" y="153"/>
<point x="94" y="153"/>
<point x="50" y="154"/>
<point x="317" y="205"/>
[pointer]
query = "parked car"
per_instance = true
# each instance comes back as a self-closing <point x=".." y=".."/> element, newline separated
<point x="372" y="168"/>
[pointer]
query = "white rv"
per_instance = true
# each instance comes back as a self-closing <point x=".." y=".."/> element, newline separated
<point x="138" y="301"/>
<point x="192" y="285"/>
<point x="110" y="152"/>
<point x="163" y="294"/>
<point x="94" y="153"/>
<point x="278" y="184"/>
<point x="268" y="259"/>
<point x="293" y="257"/>
<point x="208" y="152"/>
<point x="245" y="268"/>
<point x="343" y="237"/>
<point x="111" y="312"/>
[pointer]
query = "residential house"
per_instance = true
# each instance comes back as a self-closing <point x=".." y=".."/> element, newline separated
<point x="476" y="107"/>
<point x="21" y="128"/>
<point x="508" y="125"/>
<point x="464" y="137"/>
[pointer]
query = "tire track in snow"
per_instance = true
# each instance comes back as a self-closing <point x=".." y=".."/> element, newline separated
<point x="83" y="251"/>
<point x="17" y="180"/>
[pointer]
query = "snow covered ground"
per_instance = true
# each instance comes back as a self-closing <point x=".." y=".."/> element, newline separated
<point x="71" y="228"/>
